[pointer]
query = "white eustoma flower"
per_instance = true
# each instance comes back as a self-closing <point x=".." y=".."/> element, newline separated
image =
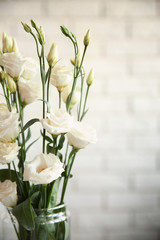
<point x="8" y="193"/>
<point x="57" y="122"/>
<point x="9" y="124"/>
<point x="43" y="169"/>
<point x="13" y="63"/>
<point x="29" y="91"/>
<point x="81" y="135"/>
<point x="8" y="152"/>
<point x="30" y="69"/>
<point x="61" y="76"/>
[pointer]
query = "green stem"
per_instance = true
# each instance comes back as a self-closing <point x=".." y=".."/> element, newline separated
<point x="60" y="98"/>
<point x="48" y="84"/>
<point x="44" y="131"/>
<point x="6" y="97"/>
<point x="68" y="170"/>
<point x="36" y="44"/>
<point x="65" y="158"/>
<point x="44" y="192"/>
<point x="85" y="102"/>
<point x="19" y="181"/>
<point x="76" y="73"/>
<point x="80" y="104"/>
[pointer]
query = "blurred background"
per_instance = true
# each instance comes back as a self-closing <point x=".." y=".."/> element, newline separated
<point x="115" y="190"/>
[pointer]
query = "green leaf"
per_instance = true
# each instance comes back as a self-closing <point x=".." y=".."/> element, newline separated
<point x="48" y="139"/>
<point x="6" y="174"/>
<point x="53" y="191"/>
<point x="24" y="212"/>
<point x="60" y="155"/>
<point x="30" y="123"/>
<point x="28" y="135"/>
<point x="61" y="141"/>
<point x="50" y="149"/>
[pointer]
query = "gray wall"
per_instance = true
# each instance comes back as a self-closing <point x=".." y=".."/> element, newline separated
<point x="115" y="192"/>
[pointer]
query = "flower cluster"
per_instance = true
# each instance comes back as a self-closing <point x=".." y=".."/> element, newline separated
<point x="63" y="134"/>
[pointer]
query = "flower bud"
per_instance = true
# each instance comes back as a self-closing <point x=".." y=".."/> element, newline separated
<point x="52" y="57"/>
<point x="26" y="27"/>
<point x="41" y="36"/>
<point x="7" y="43"/>
<point x="11" y="84"/>
<point x="14" y="45"/>
<point x="87" y="38"/>
<point x="90" y="77"/>
<point x="72" y="62"/>
<point x="2" y="76"/>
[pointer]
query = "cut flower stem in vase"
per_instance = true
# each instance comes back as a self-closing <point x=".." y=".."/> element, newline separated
<point x="33" y="190"/>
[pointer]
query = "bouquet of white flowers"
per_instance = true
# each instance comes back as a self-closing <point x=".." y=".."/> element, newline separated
<point x="30" y="188"/>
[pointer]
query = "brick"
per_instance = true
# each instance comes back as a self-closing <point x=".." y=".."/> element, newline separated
<point x="146" y="143"/>
<point x="131" y="163"/>
<point x="146" y="28"/>
<point x="132" y="47"/>
<point x="131" y="124"/>
<point x="72" y="8"/>
<point x="149" y="182"/>
<point x="110" y="220"/>
<point x="13" y="9"/>
<point x="150" y="65"/>
<point x="106" y="182"/>
<point x="134" y="201"/>
<point x="146" y="105"/>
<point x="148" y="220"/>
<point x="131" y="8"/>
<point x="102" y="28"/>
<point x="133" y="86"/>
<point x="134" y="235"/>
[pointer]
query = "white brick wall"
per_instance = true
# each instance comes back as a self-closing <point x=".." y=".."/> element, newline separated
<point x="115" y="191"/>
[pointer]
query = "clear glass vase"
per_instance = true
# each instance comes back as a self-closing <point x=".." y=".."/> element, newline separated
<point x="53" y="223"/>
<point x="50" y="224"/>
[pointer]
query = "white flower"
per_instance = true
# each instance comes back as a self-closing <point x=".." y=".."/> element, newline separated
<point x="8" y="193"/>
<point x="9" y="125"/>
<point x="57" y="122"/>
<point x="30" y="68"/>
<point x="13" y="63"/>
<point x="76" y="95"/>
<point x="8" y="152"/>
<point x="29" y="91"/>
<point x="81" y="135"/>
<point x="43" y="169"/>
<point x="61" y="77"/>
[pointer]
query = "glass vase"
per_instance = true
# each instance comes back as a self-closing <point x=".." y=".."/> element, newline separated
<point x="50" y="224"/>
<point x="53" y="223"/>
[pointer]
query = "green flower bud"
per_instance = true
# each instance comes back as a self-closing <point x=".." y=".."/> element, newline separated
<point x="87" y="38"/>
<point x="52" y="57"/>
<point x="2" y="76"/>
<point x="90" y="77"/>
<point x="14" y="45"/>
<point x="41" y="36"/>
<point x="26" y="27"/>
<point x="11" y="84"/>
